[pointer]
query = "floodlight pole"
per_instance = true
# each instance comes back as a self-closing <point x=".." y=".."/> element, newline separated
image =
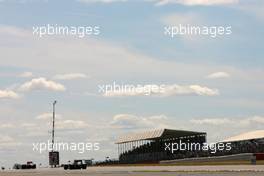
<point x="53" y="124"/>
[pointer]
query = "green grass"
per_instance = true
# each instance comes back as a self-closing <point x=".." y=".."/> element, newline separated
<point x="191" y="163"/>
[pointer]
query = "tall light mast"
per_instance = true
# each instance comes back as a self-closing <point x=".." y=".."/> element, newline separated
<point x="53" y="124"/>
<point x="54" y="157"/>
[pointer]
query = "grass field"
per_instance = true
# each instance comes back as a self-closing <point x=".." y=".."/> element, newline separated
<point x="200" y="163"/>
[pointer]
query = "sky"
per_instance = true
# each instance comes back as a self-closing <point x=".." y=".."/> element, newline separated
<point x="211" y="84"/>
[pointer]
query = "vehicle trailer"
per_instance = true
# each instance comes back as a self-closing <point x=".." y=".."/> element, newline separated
<point x="76" y="165"/>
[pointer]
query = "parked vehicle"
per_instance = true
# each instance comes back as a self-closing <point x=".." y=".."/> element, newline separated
<point x="29" y="165"/>
<point x="77" y="164"/>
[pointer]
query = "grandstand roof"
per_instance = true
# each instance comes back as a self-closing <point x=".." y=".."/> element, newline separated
<point x="246" y="136"/>
<point x="155" y="134"/>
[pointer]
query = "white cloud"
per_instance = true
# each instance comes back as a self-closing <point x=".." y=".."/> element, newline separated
<point x="102" y="55"/>
<point x="255" y="8"/>
<point x="163" y="91"/>
<point x="161" y="2"/>
<point x="44" y="116"/>
<point x="226" y="126"/>
<point x="101" y="1"/>
<point x="164" y="2"/>
<point x="6" y="125"/>
<point x="29" y="125"/>
<point x="6" y="139"/>
<point x="26" y="75"/>
<point x="129" y="121"/>
<point x="42" y="84"/>
<point x="62" y="123"/>
<point x="253" y="120"/>
<point x="8" y="94"/>
<point x="6" y="142"/>
<point x="186" y="19"/>
<point x="182" y="18"/>
<point x="199" y="90"/>
<point x="47" y="116"/>
<point x="71" y="124"/>
<point x="213" y="121"/>
<point x="70" y="76"/>
<point x="158" y="2"/>
<point x="241" y="122"/>
<point x="217" y="75"/>
<point x="196" y="2"/>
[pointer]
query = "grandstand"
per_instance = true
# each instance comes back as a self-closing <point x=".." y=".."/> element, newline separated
<point x="148" y="147"/>
<point x="250" y="142"/>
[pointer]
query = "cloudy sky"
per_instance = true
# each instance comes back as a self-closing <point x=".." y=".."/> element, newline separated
<point x="212" y="84"/>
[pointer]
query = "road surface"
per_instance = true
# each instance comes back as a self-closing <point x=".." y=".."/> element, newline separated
<point x="246" y="170"/>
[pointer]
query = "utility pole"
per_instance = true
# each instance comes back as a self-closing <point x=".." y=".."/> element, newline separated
<point x="53" y="124"/>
